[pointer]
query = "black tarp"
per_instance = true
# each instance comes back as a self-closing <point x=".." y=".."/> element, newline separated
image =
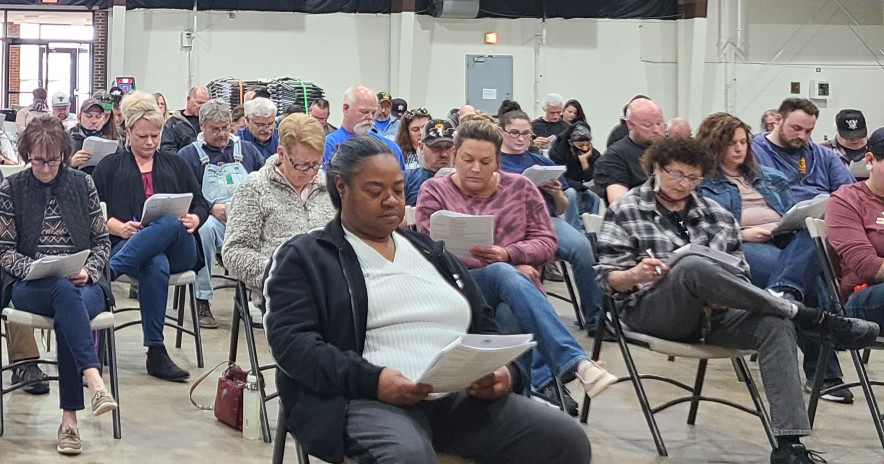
<point x="666" y="9"/>
<point x="78" y="3"/>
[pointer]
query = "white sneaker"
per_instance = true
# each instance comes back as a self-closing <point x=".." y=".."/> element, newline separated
<point x="593" y="378"/>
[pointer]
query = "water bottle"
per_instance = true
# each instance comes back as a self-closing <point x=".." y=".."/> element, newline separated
<point x="251" y="409"/>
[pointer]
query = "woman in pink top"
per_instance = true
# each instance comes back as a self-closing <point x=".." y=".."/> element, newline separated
<point x="855" y="228"/>
<point x="523" y="240"/>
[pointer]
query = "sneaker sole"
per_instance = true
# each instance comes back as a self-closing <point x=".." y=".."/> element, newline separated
<point x="601" y="385"/>
<point x="103" y="408"/>
<point x="208" y="326"/>
<point x="68" y="451"/>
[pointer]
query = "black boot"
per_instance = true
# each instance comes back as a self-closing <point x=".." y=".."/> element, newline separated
<point x="161" y="366"/>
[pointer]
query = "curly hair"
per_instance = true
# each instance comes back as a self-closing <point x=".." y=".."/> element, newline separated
<point x="678" y="150"/>
<point x="403" y="138"/>
<point x="716" y="133"/>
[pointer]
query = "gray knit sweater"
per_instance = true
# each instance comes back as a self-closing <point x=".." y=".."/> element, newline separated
<point x="265" y="212"/>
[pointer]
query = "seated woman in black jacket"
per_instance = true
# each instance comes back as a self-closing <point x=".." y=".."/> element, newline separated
<point x="52" y="209"/>
<point x="166" y="246"/>
<point x="357" y="310"/>
<point x="573" y="149"/>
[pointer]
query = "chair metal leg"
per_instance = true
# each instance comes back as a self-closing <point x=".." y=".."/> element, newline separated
<point x="821" y="363"/>
<point x="866" y="353"/>
<point x="111" y="356"/>
<point x="596" y="352"/>
<point x="740" y="364"/>
<point x="279" y="442"/>
<point x="871" y="399"/>
<point x="253" y="361"/>
<point x="197" y="337"/>
<point x="2" y="392"/>
<point x="234" y="325"/>
<point x="178" y="305"/>
<point x="697" y="391"/>
<point x="574" y="300"/>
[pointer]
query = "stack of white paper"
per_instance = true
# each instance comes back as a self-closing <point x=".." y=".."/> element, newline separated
<point x="98" y="148"/>
<point x="444" y="172"/>
<point x="794" y="218"/>
<point x="461" y="232"/>
<point x="727" y="261"/>
<point x="57" y="266"/>
<point x="540" y="175"/>
<point x="165" y="204"/>
<point x="471" y="357"/>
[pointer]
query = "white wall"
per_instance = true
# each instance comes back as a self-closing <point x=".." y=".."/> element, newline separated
<point x="600" y="62"/>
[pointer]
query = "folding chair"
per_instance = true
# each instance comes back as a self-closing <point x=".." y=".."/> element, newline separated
<point x="250" y="318"/>
<point x="103" y="322"/>
<point x="832" y="275"/>
<point x="699" y="351"/>
<point x="182" y="282"/>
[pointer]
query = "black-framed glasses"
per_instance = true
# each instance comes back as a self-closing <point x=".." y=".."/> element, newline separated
<point x="304" y="167"/>
<point x="416" y="112"/>
<point x="516" y="134"/>
<point x="679" y="176"/>
<point x="41" y="162"/>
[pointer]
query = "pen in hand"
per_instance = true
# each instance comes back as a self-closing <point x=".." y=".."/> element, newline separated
<point x="651" y="255"/>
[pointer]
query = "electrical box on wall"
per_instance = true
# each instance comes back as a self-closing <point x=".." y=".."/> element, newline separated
<point x="819" y="90"/>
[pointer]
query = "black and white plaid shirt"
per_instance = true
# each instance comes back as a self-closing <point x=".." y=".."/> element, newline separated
<point x="636" y="223"/>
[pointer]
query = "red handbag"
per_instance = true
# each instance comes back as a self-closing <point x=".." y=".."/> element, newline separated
<point x="228" y="398"/>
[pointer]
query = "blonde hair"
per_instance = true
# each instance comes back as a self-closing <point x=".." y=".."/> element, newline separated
<point x="301" y="129"/>
<point x="477" y="116"/>
<point x="139" y="105"/>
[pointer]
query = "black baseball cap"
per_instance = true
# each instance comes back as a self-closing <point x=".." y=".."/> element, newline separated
<point x="851" y="124"/>
<point x="437" y="130"/>
<point x="89" y="103"/>
<point x="876" y="142"/>
<point x="400" y="106"/>
<point x="385" y="97"/>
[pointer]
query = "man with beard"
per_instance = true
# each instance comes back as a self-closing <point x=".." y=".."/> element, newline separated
<point x="436" y="147"/>
<point x="850" y="141"/>
<point x="811" y="169"/>
<point x="260" y="128"/>
<point x="384" y="124"/>
<point x="619" y="170"/>
<point x="359" y="107"/>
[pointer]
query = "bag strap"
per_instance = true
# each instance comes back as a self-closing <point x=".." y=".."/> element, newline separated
<point x="200" y="380"/>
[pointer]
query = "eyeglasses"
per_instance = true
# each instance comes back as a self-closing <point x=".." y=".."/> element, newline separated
<point x="516" y="134"/>
<point x="679" y="176"/>
<point x="416" y="112"/>
<point x="41" y="162"/>
<point x="269" y="125"/>
<point x="218" y="130"/>
<point x="304" y="167"/>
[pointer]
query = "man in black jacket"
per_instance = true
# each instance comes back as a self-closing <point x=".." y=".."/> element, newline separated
<point x="181" y="129"/>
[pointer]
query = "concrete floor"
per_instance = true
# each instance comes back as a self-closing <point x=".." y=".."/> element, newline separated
<point x="161" y="426"/>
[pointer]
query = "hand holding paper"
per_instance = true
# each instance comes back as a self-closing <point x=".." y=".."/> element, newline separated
<point x="471" y="357"/>
<point x="462" y="232"/>
<point x="540" y="175"/>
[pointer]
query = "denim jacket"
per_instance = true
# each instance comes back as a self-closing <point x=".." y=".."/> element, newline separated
<point x="772" y="185"/>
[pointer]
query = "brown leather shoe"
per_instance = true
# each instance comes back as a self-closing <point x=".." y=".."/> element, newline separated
<point x="204" y="311"/>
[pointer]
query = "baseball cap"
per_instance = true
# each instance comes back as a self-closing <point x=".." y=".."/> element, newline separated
<point x="89" y="104"/>
<point x="876" y="142"/>
<point x="385" y="97"/>
<point x="60" y="99"/>
<point x="400" y="106"/>
<point x="437" y="130"/>
<point x="851" y="124"/>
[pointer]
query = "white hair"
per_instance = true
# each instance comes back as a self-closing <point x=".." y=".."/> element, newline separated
<point x="552" y="99"/>
<point x="260" y="107"/>
<point x="349" y="97"/>
<point x="215" y="110"/>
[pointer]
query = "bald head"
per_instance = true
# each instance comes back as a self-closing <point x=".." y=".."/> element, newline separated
<point x="644" y="119"/>
<point x="466" y="109"/>
<point x="359" y="106"/>
<point x="195" y="99"/>
<point x="679" y="127"/>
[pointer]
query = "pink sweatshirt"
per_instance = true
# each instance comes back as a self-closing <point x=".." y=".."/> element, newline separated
<point x="521" y="221"/>
<point x="855" y="228"/>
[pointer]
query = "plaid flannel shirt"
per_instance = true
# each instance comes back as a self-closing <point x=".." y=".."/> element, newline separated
<point x="635" y="225"/>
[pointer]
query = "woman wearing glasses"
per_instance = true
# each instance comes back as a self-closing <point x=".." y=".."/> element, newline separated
<point x="700" y="299"/>
<point x="167" y="245"/>
<point x="284" y="198"/>
<point x="51" y="209"/>
<point x="409" y="135"/>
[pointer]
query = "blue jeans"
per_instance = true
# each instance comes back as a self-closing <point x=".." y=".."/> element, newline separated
<point x="575" y="248"/>
<point x="72" y="308"/>
<point x="797" y="267"/>
<point x="502" y="283"/>
<point x="160" y="249"/>
<point x="867" y="304"/>
<point x="583" y="201"/>
<point x="211" y="239"/>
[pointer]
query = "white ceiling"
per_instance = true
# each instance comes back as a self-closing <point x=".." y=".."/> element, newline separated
<point x="44" y="17"/>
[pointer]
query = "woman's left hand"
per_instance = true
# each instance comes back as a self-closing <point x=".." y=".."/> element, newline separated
<point x="490" y="255"/>
<point x="79" y="279"/>
<point x="492" y="386"/>
<point x="190" y="222"/>
<point x="552" y="188"/>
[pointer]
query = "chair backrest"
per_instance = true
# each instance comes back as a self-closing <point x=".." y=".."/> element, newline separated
<point x="831" y="262"/>
<point x="410" y="219"/>
<point x="592" y="223"/>
<point x="104" y="210"/>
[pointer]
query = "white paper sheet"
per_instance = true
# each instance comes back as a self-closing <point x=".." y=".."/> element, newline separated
<point x="444" y="172"/>
<point x="165" y="204"/>
<point x="471" y="357"/>
<point x="98" y="148"/>
<point x="540" y="175"/>
<point x="461" y="232"/>
<point x="794" y="218"/>
<point x="57" y="266"/>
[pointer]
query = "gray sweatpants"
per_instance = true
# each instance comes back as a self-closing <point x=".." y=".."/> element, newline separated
<point x="513" y="429"/>
<point x="673" y="310"/>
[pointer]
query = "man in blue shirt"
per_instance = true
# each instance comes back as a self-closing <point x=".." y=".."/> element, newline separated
<point x="359" y="107"/>
<point x="384" y="123"/>
<point x="220" y="162"/>
<point x="260" y="128"/>
<point x="436" y="146"/>
<point x="811" y="170"/>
